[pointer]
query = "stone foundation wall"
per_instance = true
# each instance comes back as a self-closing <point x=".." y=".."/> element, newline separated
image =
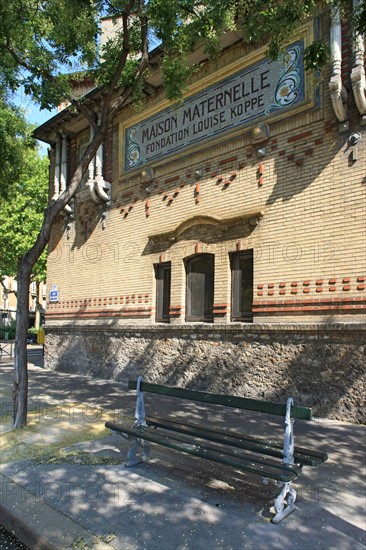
<point x="321" y="366"/>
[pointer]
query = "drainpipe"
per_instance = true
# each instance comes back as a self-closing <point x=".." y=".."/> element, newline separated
<point x="67" y="209"/>
<point x="338" y="93"/>
<point x="101" y="186"/>
<point x="96" y="183"/>
<point x="63" y="164"/>
<point x="358" y="72"/>
<point x="90" y="181"/>
<point x="57" y="169"/>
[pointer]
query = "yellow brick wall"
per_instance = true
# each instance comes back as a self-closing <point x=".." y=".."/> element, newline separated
<point x="308" y="246"/>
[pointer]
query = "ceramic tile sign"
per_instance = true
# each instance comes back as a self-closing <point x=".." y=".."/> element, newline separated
<point x="264" y="89"/>
<point x="54" y="294"/>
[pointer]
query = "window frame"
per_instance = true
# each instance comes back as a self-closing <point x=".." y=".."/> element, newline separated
<point x="162" y="309"/>
<point x="236" y="286"/>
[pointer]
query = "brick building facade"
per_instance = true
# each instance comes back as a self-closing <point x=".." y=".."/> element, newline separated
<point x="235" y="219"/>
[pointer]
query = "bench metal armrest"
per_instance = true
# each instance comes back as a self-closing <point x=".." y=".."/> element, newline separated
<point x="140" y="405"/>
<point x="289" y="443"/>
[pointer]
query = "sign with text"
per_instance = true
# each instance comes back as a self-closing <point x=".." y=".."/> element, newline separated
<point x="54" y="294"/>
<point x="262" y="89"/>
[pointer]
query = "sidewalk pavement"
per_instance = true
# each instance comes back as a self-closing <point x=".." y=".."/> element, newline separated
<point x="64" y="484"/>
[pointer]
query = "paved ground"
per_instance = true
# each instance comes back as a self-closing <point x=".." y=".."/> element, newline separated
<point x="64" y="484"/>
<point x="9" y="542"/>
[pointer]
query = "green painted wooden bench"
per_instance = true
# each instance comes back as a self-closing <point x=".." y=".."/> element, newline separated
<point x="281" y="462"/>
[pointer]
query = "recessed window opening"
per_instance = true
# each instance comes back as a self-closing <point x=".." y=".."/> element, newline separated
<point x="242" y="277"/>
<point x="163" y="289"/>
<point x="200" y="287"/>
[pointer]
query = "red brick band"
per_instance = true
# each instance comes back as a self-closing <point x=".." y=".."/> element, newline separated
<point x="326" y="304"/>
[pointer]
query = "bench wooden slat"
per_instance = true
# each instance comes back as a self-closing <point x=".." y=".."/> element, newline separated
<point x="301" y="413"/>
<point x="279" y="472"/>
<point x="267" y="458"/>
<point x="270" y="448"/>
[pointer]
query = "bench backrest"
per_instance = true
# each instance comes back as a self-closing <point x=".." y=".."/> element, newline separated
<point x="302" y="413"/>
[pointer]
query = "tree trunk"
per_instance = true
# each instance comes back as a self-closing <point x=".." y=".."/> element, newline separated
<point x="20" y="385"/>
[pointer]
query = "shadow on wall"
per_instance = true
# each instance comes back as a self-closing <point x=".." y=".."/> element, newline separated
<point x="89" y="217"/>
<point x="292" y="179"/>
<point x="328" y="376"/>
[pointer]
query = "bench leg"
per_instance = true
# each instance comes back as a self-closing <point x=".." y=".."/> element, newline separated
<point x="279" y="505"/>
<point x="137" y="446"/>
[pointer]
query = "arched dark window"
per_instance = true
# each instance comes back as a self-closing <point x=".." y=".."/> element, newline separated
<point x="200" y="287"/>
<point x="242" y="286"/>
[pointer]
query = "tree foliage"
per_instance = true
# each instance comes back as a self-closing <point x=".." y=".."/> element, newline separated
<point x="21" y="215"/>
<point x="14" y="142"/>
<point x="42" y="42"/>
<point x="45" y="43"/>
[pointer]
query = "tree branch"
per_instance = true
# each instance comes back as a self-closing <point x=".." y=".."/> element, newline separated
<point x="19" y="60"/>
<point x="122" y="61"/>
<point x="5" y="289"/>
<point x="144" y="61"/>
<point x="83" y="110"/>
